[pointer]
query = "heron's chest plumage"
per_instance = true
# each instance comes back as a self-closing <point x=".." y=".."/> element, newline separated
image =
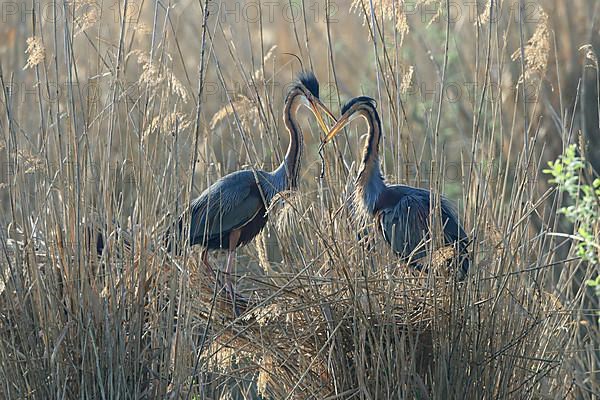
<point x="254" y="226"/>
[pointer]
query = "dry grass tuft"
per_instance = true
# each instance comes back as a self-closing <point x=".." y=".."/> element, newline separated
<point x="389" y="10"/>
<point x="36" y="51"/>
<point x="154" y="75"/>
<point x="241" y="106"/>
<point x="537" y="50"/>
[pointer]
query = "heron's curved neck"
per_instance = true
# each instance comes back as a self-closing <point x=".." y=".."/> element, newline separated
<point x="289" y="169"/>
<point x="370" y="180"/>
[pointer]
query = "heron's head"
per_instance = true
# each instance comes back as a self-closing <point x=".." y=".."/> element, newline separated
<point x="360" y="106"/>
<point x="307" y="87"/>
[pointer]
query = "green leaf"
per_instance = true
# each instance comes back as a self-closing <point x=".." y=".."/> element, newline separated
<point x="593" y="282"/>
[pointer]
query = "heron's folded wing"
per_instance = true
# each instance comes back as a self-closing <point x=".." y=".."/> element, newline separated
<point x="405" y="224"/>
<point x="453" y="231"/>
<point x="227" y="205"/>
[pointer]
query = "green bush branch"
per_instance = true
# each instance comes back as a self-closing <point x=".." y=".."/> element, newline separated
<point x="585" y="212"/>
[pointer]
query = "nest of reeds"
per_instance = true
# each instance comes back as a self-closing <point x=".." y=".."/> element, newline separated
<point x="292" y="339"/>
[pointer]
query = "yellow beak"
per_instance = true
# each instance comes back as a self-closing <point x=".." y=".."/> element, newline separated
<point x="336" y="128"/>
<point x="317" y="106"/>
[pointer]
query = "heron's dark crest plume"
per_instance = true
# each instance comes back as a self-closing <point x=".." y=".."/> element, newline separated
<point x="359" y="99"/>
<point x="309" y="80"/>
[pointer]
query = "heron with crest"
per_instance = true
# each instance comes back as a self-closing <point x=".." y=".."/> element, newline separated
<point x="233" y="210"/>
<point x="401" y="213"/>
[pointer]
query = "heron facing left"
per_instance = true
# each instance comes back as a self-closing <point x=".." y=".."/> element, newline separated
<point x="233" y="210"/>
<point x="400" y="212"/>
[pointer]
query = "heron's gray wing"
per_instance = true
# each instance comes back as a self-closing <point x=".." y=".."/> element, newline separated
<point x="403" y="217"/>
<point x="229" y="203"/>
<point x="405" y="224"/>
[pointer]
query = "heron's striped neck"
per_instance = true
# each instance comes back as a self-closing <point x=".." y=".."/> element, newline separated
<point x="289" y="169"/>
<point x="370" y="183"/>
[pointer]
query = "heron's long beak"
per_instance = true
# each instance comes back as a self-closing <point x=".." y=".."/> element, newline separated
<point x="343" y="121"/>
<point x="317" y="106"/>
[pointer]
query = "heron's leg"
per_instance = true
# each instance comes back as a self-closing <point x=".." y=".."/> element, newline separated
<point x="209" y="268"/>
<point x="234" y="238"/>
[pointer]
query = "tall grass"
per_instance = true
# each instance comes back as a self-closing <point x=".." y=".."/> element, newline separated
<point x="114" y="116"/>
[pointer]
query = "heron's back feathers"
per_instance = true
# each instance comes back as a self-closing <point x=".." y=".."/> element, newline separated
<point x="402" y="215"/>
<point x="233" y="202"/>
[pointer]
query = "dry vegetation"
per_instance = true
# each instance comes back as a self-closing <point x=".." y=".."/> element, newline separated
<point x="107" y="110"/>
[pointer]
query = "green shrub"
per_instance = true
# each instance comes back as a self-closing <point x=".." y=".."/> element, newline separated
<point x="584" y="213"/>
